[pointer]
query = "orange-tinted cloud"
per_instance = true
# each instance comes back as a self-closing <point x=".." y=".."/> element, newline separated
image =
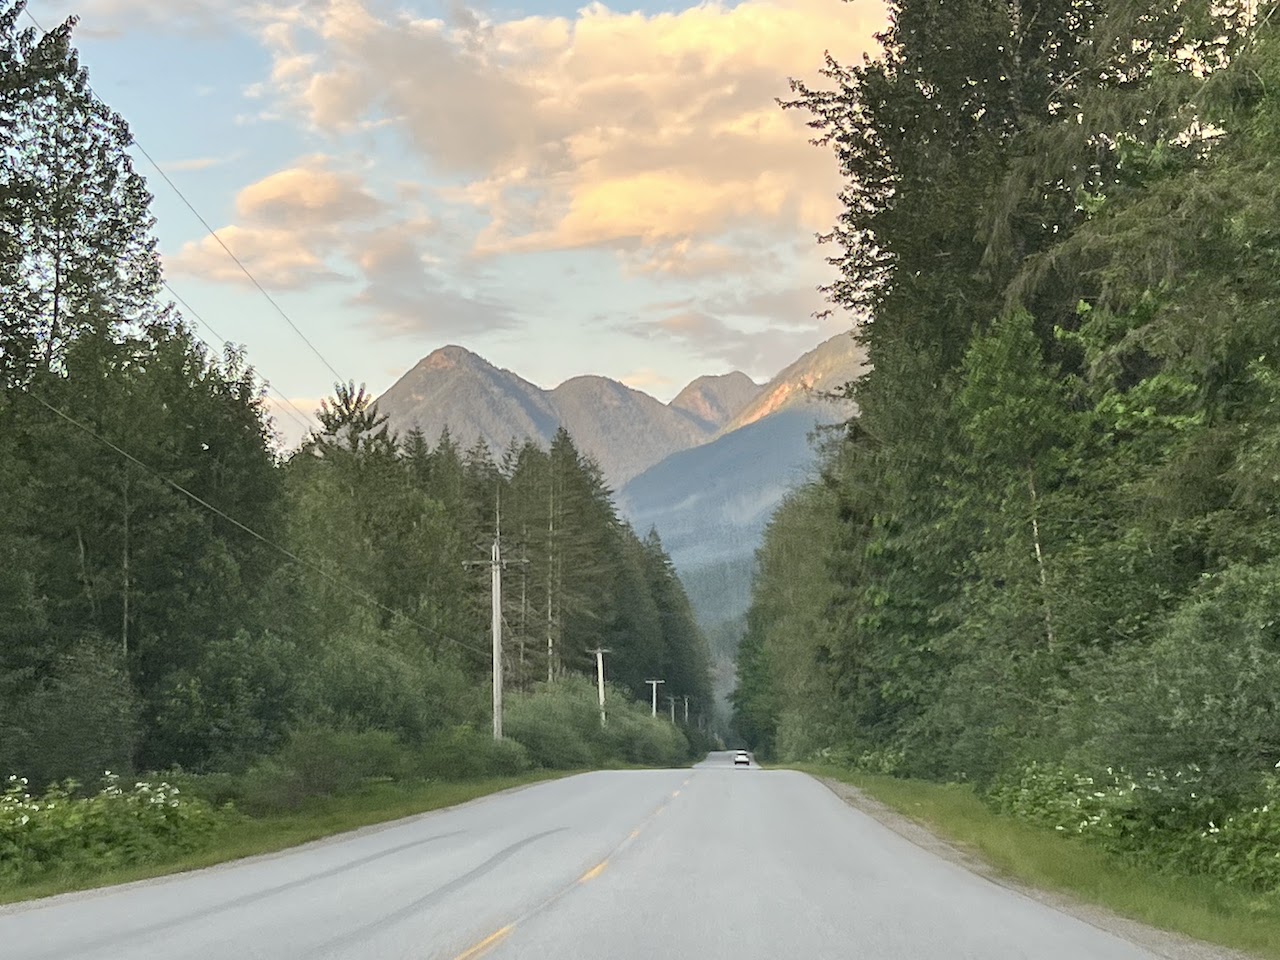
<point x="653" y="134"/>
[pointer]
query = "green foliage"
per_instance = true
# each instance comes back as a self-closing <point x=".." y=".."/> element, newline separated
<point x="560" y="726"/>
<point x="1171" y="821"/>
<point x="79" y="720"/>
<point x="1049" y="541"/>
<point x="236" y="702"/>
<point x="60" y="830"/>
<point x="464" y="753"/>
<point x="320" y="762"/>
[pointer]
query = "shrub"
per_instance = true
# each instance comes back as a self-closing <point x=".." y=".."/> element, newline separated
<point x="463" y="753"/>
<point x="552" y="725"/>
<point x="560" y="726"/>
<point x="234" y="704"/>
<point x="1161" y="818"/>
<point x="79" y="721"/>
<point x="114" y="827"/>
<point x="319" y="762"/>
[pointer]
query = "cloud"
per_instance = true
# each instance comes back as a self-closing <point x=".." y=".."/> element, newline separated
<point x="407" y="293"/>
<point x="759" y="344"/>
<point x="646" y="379"/>
<point x="653" y="135"/>
<point x="112" y="18"/>
<point x="291" y="226"/>
<point x="307" y="197"/>
<point x="278" y="259"/>
<point x="196" y="163"/>
<point x="309" y="224"/>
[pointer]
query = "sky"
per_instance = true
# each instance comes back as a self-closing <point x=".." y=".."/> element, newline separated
<point x="561" y="189"/>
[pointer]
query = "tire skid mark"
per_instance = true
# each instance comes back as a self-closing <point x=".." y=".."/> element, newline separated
<point x="243" y="900"/>
<point x="432" y="896"/>
<point x="484" y="946"/>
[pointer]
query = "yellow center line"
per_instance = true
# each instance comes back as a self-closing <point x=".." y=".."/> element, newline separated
<point x="484" y="945"/>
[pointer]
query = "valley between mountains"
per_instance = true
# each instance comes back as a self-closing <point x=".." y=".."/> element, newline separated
<point x="706" y="470"/>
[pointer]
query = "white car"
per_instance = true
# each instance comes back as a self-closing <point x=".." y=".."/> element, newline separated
<point x="742" y="759"/>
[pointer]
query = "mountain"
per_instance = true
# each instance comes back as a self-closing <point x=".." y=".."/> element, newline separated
<point x="716" y="400"/>
<point x="825" y="368"/>
<point x="710" y="503"/>
<point x="625" y="430"/>
<point x="454" y="387"/>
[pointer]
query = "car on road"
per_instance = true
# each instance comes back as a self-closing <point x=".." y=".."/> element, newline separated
<point x="742" y="759"/>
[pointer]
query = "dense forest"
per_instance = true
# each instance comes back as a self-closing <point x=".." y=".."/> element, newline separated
<point x="175" y="592"/>
<point x="1046" y="555"/>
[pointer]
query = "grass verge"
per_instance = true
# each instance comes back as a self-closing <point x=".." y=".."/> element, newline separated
<point x="1198" y="907"/>
<point x="316" y="819"/>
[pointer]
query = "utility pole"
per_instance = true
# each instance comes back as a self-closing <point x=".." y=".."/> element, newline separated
<point x="496" y="563"/>
<point x="599" y="652"/>
<point x="671" y="702"/>
<point x="686" y="709"/>
<point x="653" y="684"/>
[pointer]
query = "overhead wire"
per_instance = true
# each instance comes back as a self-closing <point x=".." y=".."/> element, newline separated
<point x="301" y="419"/>
<point x="285" y="551"/>
<point x="307" y="425"/>
<point x="214" y="234"/>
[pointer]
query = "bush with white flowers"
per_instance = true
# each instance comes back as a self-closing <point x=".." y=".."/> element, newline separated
<point x="117" y="826"/>
<point x="1172" y="818"/>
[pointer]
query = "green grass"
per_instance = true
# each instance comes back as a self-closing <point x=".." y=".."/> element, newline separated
<point x="1196" y="906"/>
<point x="322" y="817"/>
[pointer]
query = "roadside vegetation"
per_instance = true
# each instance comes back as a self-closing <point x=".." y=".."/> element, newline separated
<point x="320" y="781"/>
<point x="1042" y="562"/>
<point x="279" y="634"/>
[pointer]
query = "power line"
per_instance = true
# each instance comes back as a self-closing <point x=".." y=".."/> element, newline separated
<point x="305" y="422"/>
<point x="213" y="233"/>
<point x="254" y="280"/>
<point x="355" y="591"/>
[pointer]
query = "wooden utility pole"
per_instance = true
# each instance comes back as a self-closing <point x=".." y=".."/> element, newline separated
<point x="600" y="652"/>
<point x="496" y="563"/>
<point x="653" y="684"/>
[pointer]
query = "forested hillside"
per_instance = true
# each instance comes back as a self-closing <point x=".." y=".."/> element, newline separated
<point x="1045" y="557"/>
<point x="172" y="593"/>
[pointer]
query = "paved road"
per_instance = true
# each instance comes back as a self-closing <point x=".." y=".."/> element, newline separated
<point x="708" y="863"/>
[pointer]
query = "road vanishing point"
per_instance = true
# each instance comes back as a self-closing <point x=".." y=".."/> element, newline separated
<point x="707" y="863"/>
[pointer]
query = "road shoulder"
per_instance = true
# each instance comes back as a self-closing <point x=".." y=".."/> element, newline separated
<point x="1172" y="946"/>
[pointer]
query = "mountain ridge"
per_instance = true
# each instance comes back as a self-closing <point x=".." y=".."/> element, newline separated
<point x="626" y="430"/>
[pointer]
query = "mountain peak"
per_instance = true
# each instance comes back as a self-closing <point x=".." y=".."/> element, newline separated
<point x="826" y="367"/>
<point x="715" y="400"/>
<point x="449" y="357"/>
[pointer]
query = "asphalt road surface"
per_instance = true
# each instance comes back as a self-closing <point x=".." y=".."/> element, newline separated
<point x="713" y="862"/>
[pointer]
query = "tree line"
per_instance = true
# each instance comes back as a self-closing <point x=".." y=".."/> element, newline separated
<point x="173" y="590"/>
<point x="1050" y="537"/>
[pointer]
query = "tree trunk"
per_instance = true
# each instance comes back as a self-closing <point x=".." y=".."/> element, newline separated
<point x="124" y="617"/>
<point x="85" y="579"/>
<point x="1035" y="539"/>
<point x="551" y="553"/>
